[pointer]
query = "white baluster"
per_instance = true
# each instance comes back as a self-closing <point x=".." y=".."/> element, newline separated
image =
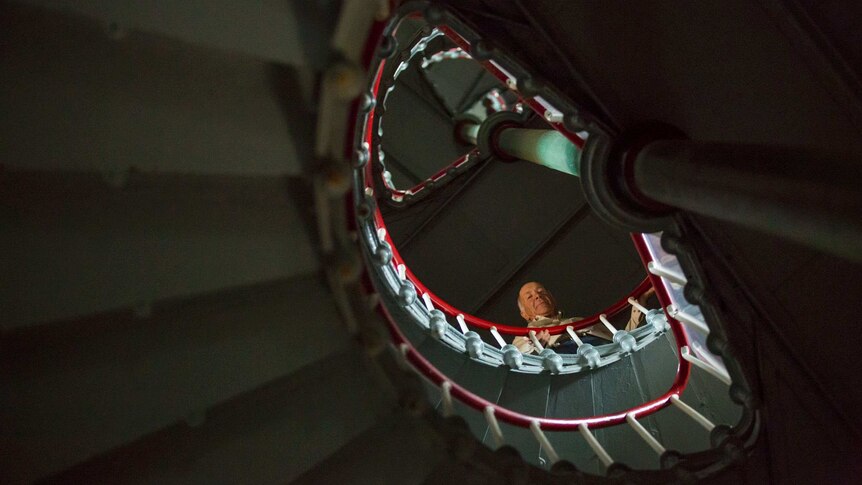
<point x="462" y="323"/>
<point x="667" y="273"/>
<point x="688" y="320"/>
<point x="701" y="419"/>
<point x="494" y="426"/>
<point x="535" y="340"/>
<point x="715" y="371"/>
<point x="429" y="305"/>
<point x="543" y="441"/>
<point x="448" y="406"/>
<point x="498" y="337"/>
<point x="597" y="447"/>
<point x="650" y="439"/>
<point x="574" y="335"/>
<point x="637" y="305"/>
<point x="607" y="324"/>
<point x="403" y="348"/>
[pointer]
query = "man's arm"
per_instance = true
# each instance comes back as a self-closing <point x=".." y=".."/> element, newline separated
<point x="552" y="340"/>
<point x="637" y="316"/>
<point x="524" y="345"/>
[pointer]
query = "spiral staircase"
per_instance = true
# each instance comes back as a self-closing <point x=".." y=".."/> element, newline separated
<point x="270" y="244"/>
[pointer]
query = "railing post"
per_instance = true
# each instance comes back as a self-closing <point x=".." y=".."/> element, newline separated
<point x="771" y="189"/>
<point x="586" y="352"/>
<point x="714" y="371"/>
<point x="607" y="324"/>
<point x="597" y="447"/>
<point x="494" y="427"/>
<point x="448" y="405"/>
<point x="701" y="419"/>
<point x="535" y="341"/>
<point x="472" y="341"/>
<point x="622" y="338"/>
<point x="688" y="320"/>
<point x="543" y="441"/>
<point x="643" y="433"/>
<point x="667" y="273"/>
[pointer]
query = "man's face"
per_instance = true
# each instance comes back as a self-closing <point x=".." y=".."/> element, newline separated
<point x="536" y="301"/>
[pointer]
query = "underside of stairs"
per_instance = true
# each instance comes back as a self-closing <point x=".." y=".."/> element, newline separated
<point x="168" y="309"/>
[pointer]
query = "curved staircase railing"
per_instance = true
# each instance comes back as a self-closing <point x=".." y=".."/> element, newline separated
<point x="400" y="291"/>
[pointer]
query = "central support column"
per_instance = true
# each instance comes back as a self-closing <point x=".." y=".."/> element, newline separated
<point x="807" y="197"/>
<point x="636" y="182"/>
<point x="548" y="148"/>
<point x="503" y="135"/>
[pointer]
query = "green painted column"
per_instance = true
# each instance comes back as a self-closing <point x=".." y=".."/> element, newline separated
<point x="549" y="148"/>
<point x="469" y="132"/>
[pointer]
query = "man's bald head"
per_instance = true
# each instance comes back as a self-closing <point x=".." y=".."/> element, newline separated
<point x="534" y="300"/>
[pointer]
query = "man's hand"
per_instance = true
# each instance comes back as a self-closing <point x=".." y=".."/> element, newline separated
<point x="635" y="319"/>
<point x="524" y="345"/>
<point x="543" y="337"/>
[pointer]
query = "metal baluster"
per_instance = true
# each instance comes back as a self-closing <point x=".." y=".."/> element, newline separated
<point x="448" y="406"/>
<point x="701" y="419"/>
<point x="650" y="439"/>
<point x="494" y="427"/>
<point x="543" y="441"/>
<point x="714" y="371"/>
<point x="597" y="447"/>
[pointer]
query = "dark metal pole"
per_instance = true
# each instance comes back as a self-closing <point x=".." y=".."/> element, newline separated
<point x="809" y="197"/>
<point x="803" y="196"/>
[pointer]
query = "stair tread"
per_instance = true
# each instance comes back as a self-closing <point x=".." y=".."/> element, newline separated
<point x="268" y="435"/>
<point x="401" y="449"/>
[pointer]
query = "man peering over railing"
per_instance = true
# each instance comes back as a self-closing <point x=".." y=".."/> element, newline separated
<point x="538" y="307"/>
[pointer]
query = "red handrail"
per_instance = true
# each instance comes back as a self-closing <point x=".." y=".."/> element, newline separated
<point x="440" y="174"/>
<point x="506" y="415"/>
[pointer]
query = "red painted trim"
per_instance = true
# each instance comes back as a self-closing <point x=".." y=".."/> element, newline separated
<point x="457" y="163"/>
<point x="661" y="293"/>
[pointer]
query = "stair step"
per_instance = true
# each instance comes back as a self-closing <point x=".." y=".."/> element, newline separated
<point x="271" y="434"/>
<point x="402" y="449"/>
<point x="76" y="389"/>
<point x="79" y="246"/>
<point x="74" y="98"/>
